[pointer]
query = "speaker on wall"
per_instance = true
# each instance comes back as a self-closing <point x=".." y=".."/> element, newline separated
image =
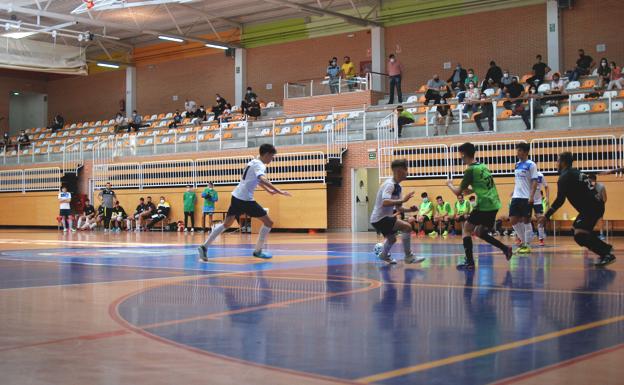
<point x="564" y="3"/>
<point x="230" y="52"/>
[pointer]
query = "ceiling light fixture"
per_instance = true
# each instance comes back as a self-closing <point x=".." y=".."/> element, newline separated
<point x="217" y="46"/>
<point x="18" y="35"/>
<point x="170" y="38"/>
<point x="107" y="65"/>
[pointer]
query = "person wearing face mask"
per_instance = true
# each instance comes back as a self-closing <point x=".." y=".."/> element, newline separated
<point x="444" y="115"/>
<point x="458" y="78"/>
<point x="247" y="99"/>
<point x="505" y="82"/>
<point x="199" y="115"/>
<point x="584" y="64"/>
<point x="108" y="197"/>
<point x="6" y="140"/>
<point x="219" y="106"/>
<point x="425" y="214"/>
<point x="557" y="88"/>
<point x="395" y="72"/>
<point x="537" y="108"/>
<point x="471" y="95"/>
<point x="348" y="72"/>
<point x="177" y="120"/>
<point x="493" y="75"/>
<point x="616" y="77"/>
<point x="162" y="212"/>
<point x="471" y="78"/>
<point x="254" y="109"/>
<point x="333" y="73"/>
<point x="23" y="140"/>
<point x="513" y="91"/>
<point x="540" y="69"/>
<point x="487" y="112"/>
<point x="189" y="106"/>
<point x="136" y="122"/>
<point x="604" y="73"/>
<point x="434" y="86"/>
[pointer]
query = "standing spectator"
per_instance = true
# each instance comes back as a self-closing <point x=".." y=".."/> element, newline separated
<point x="540" y="69"/>
<point x="348" y="72"/>
<point x="487" y="112"/>
<point x="199" y="116"/>
<point x="254" y="110"/>
<point x="210" y="196"/>
<point x="218" y="108"/>
<point x="57" y="123"/>
<point x="107" y="197"/>
<point x="162" y="212"/>
<point x="458" y="78"/>
<point x="472" y="78"/>
<point x="6" y="140"/>
<point x="443" y="115"/>
<point x="403" y="117"/>
<point x="493" y="75"/>
<point x="395" y="72"/>
<point x="189" y="106"/>
<point x="616" y="77"/>
<point x="604" y="73"/>
<point x="513" y="91"/>
<point x="87" y="216"/>
<point x="434" y="86"/>
<point x="177" y="120"/>
<point x="584" y="64"/>
<point x="537" y="107"/>
<point x="333" y="73"/>
<point x="118" y="217"/>
<point x="249" y="94"/>
<point x="189" y="200"/>
<point x="23" y="140"/>
<point x="65" y="213"/>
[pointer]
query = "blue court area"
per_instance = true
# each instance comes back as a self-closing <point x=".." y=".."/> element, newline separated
<point x="331" y="309"/>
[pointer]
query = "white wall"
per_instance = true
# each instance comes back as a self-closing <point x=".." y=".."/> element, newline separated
<point x="27" y="110"/>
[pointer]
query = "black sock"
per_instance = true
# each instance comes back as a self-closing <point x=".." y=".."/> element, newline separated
<point x="492" y="241"/>
<point x="593" y="243"/>
<point x="468" y="249"/>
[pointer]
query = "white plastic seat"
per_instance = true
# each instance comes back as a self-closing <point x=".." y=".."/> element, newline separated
<point x="264" y="132"/>
<point x="165" y="140"/>
<point x="573" y="85"/>
<point x="154" y="117"/>
<point x="235" y="108"/>
<point x="149" y="141"/>
<point x="489" y="92"/>
<point x="285" y="130"/>
<point x="289" y="121"/>
<point x="412" y="99"/>
<point x="307" y="128"/>
<point x="611" y="93"/>
<point x="551" y="111"/>
<point x="618" y="105"/>
<point x="182" y="139"/>
<point x="583" y="108"/>
<point x="169" y="115"/>
<point x="577" y="97"/>
<point x="73" y="125"/>
<point x="270" y="105"/>
<point x="543" y="88"/>
<point x="98" y="123"/>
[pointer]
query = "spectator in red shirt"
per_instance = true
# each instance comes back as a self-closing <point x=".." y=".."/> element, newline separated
<point x="394" y="71"/>
<point x="616" y="77"/>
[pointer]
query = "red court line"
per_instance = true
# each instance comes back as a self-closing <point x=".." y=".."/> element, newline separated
<point x="559" y="365"/>
<point x="87" y="337"/>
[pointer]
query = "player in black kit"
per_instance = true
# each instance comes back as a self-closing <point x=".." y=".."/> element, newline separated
<point x="577" y="188"/>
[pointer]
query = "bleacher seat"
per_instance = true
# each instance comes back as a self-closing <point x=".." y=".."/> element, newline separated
<point x="412" y="99"/>
<point x="577" y="97"/>
<point x="307" y="128"/>
<point x="582" y="108"/>
<point x="489" y="92"/>
<point x="599" y="107"/>
<point x="564" y="110"/>
<point x="543" y="88"/>
<point x="588" y="83"/>
<point x="505" y="114"/>
<point x="613" y="94"/>
<point x="573" y="85"/>
<point x="270" y="105"/>
<point x="285" y="130"/>
<point x="169" y="115"/>
<point x="617" y="105"/>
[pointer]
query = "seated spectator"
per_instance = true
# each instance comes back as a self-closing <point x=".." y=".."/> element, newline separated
<point x="199" y="116"/>
<point x="443" y="216"/>
<point x="556" y="91"/>
<point x="434" y="86"/>
<point x="162" y="212"/>
<point x="226" y="115"/>
<point x="493" y="75"/>
<point x="147" y="213"/>
<point x="584" y="65"/>
<point x="403" y="117"/>
<point x="247" y="100"/>
<point x="617" y="80"/>
<point x="604" y="73"/>
<point x="462" y="211"/>
<point x="120" y="123"/>
<point x="333" y="73"/>
<point x="540" y="69"/>
<point x="23" y="140"/>
<point x="134" y="218"/>
<point x="487" y="112"/>
<point x="513" y="91"/>
<point x="348" y="72"/>
<point x="471" y="78"/>
<point x="87" y="218"/>
<point x="177" y="120"/>
<point x="444" y="115"/>
<point x="189" y="107"/>
<point x="425" y="214"/>
<point x="458" y="78"/>
<point x="537" y="107"/>
<point x="57" y="123"/>
<point x="472" y="95"/>
<point x="254" y="110"/>
<point x="6" y="140"/>
<point x="136" y="123"/>
<point x="118" y="217"/>
<point x="218" y="108"/>
<point x="505" y="82"/>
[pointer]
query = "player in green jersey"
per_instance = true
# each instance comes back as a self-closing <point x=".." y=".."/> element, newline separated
<point x="443" y="215"/>
<point x="462" y="212"/>
<point x="481" y="220"/>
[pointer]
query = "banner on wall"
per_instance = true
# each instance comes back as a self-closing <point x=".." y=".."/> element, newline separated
<point x="30" y="55"/>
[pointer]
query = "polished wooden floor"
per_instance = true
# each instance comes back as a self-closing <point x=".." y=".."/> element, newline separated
<point x="130" y="308"/>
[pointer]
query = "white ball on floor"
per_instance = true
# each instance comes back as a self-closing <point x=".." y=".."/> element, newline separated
<point x="378" y="249"/>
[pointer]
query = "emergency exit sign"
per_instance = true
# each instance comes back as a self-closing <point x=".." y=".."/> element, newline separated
<point x="372" y="154"/>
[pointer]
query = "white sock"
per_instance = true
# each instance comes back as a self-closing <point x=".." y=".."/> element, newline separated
<point x="264" y="231"/>
<point x="407" y="243"/>
<point x="519" y="229"/>
<point x="541" y="231"/>
<point x="390" y="240"/>
<point x="528" y="233"/>
<point x="214" y="234"/>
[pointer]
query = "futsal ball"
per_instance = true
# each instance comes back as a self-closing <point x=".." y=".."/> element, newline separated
<point x="377" y="249"/>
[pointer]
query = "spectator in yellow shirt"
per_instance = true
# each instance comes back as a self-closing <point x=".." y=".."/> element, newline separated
<point x="348" y="72"/>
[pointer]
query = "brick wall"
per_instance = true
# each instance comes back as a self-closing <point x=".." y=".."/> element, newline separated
<point x="325" y="103"/>
<point x="589" y="23"/>
<point x="17" y="81"/>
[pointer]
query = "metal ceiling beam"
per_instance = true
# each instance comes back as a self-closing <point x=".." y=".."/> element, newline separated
<point x="210" y="15"/>
<point x="11" y="8"/>
<point x="326" y="12"/>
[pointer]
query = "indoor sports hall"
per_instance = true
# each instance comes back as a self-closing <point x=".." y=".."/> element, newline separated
<point x="311" y="192"/>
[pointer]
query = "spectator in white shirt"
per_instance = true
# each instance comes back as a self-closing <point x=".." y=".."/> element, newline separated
<point x="190" y="106"/>
<point x="65" y="213"/>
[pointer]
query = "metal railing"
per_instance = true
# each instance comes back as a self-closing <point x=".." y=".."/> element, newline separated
<point x="500" y="156"/>
<point x="11" y="180"/>
<point x="123" y="175"/>
<point x="227" y="170"/>
<point x="42" y="179"/>
<point x="387" y="138"/>
<point x="592" y="153"/>
<point x="427" y="161"/>
<point x="338" y="138"/>
<point x="73" y="157"/>
<point x="325" y="86"/>
<point x="297" y="167"/>
<point x="168" y="173"/>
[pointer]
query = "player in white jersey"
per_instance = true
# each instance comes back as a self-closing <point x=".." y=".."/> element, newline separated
<point x="383" y="219"/>
<point x="243" y="202"/>
<point x="538" y="205"/>
<point x="523" y="197"/>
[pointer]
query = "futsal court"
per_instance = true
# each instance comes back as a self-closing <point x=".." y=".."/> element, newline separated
<point x="93" y="308"/>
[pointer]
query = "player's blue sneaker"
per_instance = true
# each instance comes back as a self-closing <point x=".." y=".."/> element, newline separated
<point x="203" y="253"/>
<point x="262" y="255"/>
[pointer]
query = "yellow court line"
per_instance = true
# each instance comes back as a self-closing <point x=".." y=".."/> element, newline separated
<point x="487" y="351"/>
<point x="253" y="288"/>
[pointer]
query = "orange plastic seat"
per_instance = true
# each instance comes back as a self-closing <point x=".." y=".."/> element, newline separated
<point x="421" y="121"/>
<point x="423" y="88"/>
<point x="588" y="83"/>
<point x="505" y="114"/>
<point x="227" y="135"/>
<point x="599" y="107"/>
<point x="564" y="110"/>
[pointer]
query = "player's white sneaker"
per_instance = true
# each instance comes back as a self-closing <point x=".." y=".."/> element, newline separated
<point x="411" y="258"/>
<point x="387" y="259"/>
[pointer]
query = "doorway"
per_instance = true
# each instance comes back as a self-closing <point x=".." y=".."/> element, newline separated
<point x="365" y="183"/>
<point x="27" y="110"/>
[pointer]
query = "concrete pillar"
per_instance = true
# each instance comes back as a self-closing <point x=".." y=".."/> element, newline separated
<point x="240" y="74"/>
<point x="553" y="35"/>
<point x="378" y="57"/>
<point x="130" y="90"/>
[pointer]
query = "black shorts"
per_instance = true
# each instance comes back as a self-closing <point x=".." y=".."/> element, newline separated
<point x="251" y="208"/>
<point x="519" y="208"/>
<point x="385" y="226"/>
<point x="483" y="218"/>
<point x="425" y="218"/>
<point x="460" y="217"/>
<point x="65" y="212"/>
<point x="538" y="209"/>
<point x="587" y="219"/>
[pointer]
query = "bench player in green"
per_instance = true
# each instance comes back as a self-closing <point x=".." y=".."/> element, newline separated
<point x="462" y="212"/>
<point x="478" y="177"/>
<point x="443" y="216"/>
